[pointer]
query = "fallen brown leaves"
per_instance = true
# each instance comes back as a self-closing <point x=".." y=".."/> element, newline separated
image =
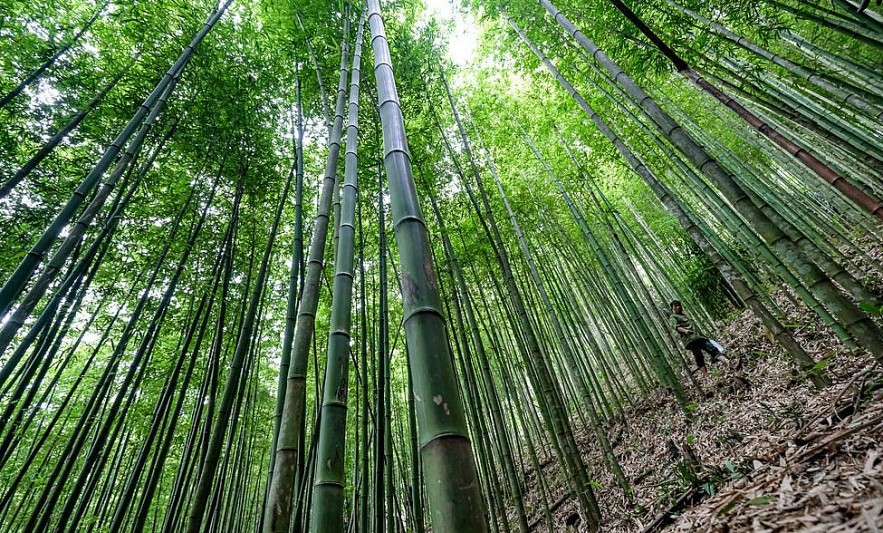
<point x="778" y="455"/>
<point x="829" y="484"/>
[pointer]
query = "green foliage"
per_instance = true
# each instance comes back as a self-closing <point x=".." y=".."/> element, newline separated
<point x="761" y="500"/>
<point x="232" y="114"/>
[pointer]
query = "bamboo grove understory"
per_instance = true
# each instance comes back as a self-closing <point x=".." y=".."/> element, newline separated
<point x="235" y="299"/>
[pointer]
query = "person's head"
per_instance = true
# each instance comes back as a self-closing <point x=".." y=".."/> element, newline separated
<point x="676" y="307"/>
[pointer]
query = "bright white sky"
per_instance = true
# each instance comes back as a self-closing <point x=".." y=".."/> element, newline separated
<point x="464" y="40"/>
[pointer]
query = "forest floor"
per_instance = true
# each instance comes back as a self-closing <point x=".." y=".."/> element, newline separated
<point x="766" y="452"/>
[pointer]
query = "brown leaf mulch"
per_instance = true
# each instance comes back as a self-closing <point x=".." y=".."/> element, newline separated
<point x="774" y="453"/>
<point x="827" y="478"/>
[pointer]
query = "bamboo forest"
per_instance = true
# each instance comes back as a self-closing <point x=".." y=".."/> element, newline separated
<point x="441" y="265"/>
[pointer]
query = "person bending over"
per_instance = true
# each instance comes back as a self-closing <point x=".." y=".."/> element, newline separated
<point x="692" y="339"/>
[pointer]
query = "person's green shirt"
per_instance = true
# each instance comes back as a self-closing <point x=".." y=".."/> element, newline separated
<point x="676" y="321"/>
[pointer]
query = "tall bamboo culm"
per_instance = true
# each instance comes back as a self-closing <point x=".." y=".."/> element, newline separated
<point x="328" y="488"/>
<point x="448" y="462"/>
<point x="277" y="510"/>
